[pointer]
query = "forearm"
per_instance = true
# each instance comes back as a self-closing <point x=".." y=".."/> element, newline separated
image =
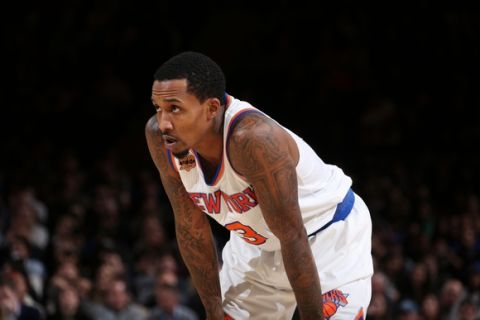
<point x="199" y="254"/>
<point x="193" y="232"/>
<point x="303" y="277"/>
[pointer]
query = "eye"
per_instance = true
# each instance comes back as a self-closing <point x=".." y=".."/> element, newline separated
<point x="157" y="108"/>
<point x="175" y="109"/>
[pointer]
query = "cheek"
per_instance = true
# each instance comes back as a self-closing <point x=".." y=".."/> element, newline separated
<point x="189" y="130"/>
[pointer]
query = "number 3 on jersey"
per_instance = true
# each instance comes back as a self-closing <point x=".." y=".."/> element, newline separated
<point x="247" y="233"/>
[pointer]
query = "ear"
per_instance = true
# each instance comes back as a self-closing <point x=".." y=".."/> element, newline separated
<point x="214" y="107"/>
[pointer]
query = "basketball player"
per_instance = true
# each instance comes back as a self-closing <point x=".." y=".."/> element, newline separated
<point x="297" y="228"/>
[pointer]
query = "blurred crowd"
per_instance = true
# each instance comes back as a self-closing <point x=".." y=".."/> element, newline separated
<point x="86" y="231"/>
<point x="100" y="247"/>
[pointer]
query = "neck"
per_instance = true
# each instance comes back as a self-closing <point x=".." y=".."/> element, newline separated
<point x="211" y="148"/>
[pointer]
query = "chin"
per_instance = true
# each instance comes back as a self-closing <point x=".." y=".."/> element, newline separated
<point x="180" y="154"/>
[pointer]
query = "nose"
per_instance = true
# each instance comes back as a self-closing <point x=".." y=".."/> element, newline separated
<point x="164" y="122"/>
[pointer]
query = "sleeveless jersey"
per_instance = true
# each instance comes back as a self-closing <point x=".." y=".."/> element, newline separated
<point x="231" y="200"/>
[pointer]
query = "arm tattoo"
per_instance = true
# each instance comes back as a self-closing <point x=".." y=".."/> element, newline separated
<point x="194" y="236"/>
<point x="260" y="151"/>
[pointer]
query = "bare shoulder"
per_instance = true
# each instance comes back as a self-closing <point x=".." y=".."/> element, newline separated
<point x="251" y="124"/>
<point x="155" y="146"/>
<point x="258" y="143"/>
<point x="154" y="136"/>
<point x="152" y="130"/>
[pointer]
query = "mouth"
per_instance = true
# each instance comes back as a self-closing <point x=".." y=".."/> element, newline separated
<point x="169" y="141"/>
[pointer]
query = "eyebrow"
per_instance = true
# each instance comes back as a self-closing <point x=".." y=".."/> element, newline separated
<point x="171" y="100"/>
<point x="168" y="100"/>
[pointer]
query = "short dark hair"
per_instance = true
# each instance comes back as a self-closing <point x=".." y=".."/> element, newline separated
<point x="205" y="78"/>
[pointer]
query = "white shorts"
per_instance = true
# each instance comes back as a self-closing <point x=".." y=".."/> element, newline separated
<point x="255" y="285"/>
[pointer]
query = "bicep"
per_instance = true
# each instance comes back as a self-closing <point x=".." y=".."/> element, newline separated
<point x="260" y="151"/>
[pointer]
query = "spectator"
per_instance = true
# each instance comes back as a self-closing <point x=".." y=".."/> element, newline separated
<point x="452" y="294"/>
<point x="430" y="307"/>
<point x="11" y="305"/>
<point x="468" y="310"/>
<point x="408" y="310"/>
<point x="168" y="306"/>
<point x="420" y="177"/>
<point x="68" y="306"/>
<point x="378" y="308"/>
<point x="66" y="276"/>
<point x="33" y="268"/>
<point x="118" y="303"/>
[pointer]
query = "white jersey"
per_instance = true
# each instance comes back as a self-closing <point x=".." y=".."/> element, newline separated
<point x="231" y="200"/>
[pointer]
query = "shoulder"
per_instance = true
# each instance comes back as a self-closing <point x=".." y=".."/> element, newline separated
<point x="152" y="130"/>
<point x="252" y="125"/>
<point x="257" y="142"/>
<point x="157" y="151"/>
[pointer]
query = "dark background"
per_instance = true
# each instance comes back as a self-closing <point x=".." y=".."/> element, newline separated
<point x="352" y="81"/>
<point x="388" y="94"/>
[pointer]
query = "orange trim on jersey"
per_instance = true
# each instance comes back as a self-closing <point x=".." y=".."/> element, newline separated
<point x="359" y="315"/>
<point x="219" y="173"/>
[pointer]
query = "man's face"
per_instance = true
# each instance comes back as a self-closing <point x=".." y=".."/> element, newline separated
<point x="117" y="296"/>
<point x="166" y="291"/>
<point x="182" y="119"/>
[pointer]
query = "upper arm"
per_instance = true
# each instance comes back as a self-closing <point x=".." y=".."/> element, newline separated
<point x="266" y="155"/>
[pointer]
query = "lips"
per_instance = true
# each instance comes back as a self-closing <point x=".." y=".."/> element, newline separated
<point x="169" y="141"/>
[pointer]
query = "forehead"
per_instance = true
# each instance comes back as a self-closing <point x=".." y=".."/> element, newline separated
<point x="169" y="89"/>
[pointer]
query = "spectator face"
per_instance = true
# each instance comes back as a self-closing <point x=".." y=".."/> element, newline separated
<point x="114" y="260"/>
<point x="167" y="263"/>
<point x="66" y="251"/>
<point x="451" y="292"/>
<point x="117" y="296"/>
<point x="166" y="291"/>
<point x="105" y="275"/>
<point x="430" y="307"/>
<point x="24" y="216"/>
<point x="68" y="270"/>
<point x="153" y="232"/>
<point x="469" y="237"/>
<point x="18" y="249"/>
<point x="467" y="311"/>
<point x="419" y="275"/>
<point x="68" y="301"/>
<point x="66" y="226"/>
